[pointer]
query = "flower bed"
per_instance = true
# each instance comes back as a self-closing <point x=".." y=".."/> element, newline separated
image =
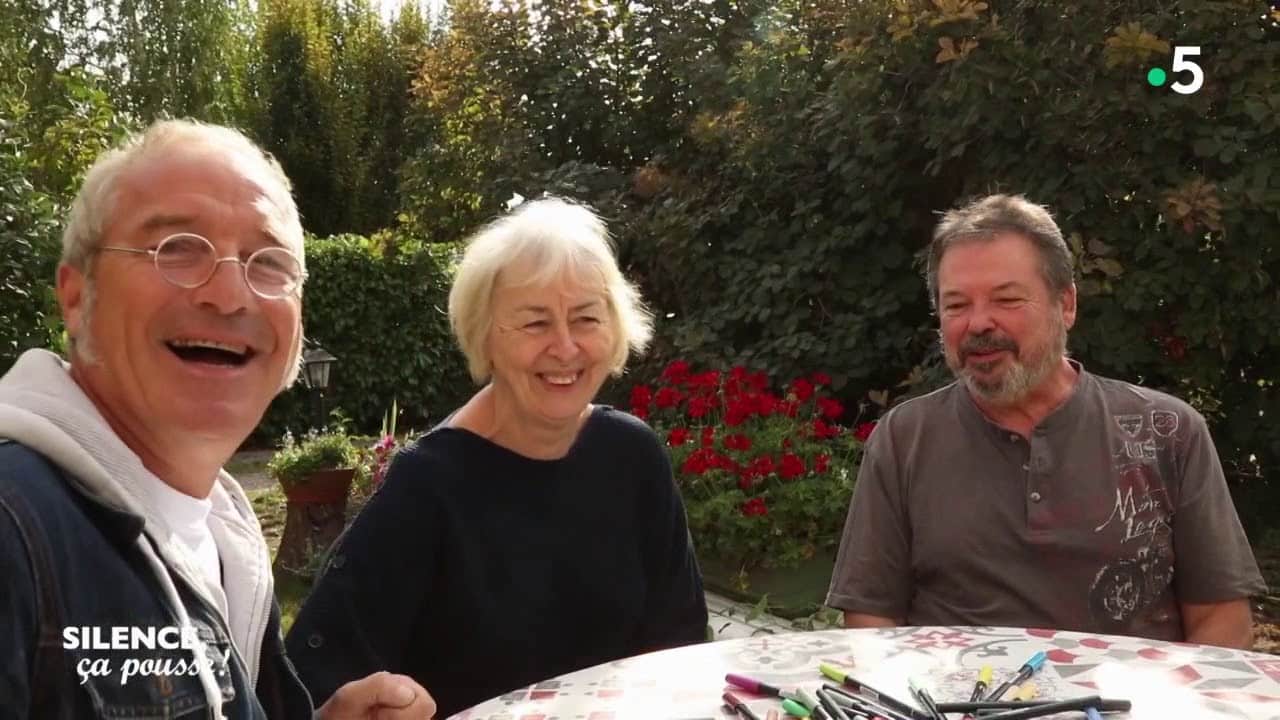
<point x="766" y="477"/>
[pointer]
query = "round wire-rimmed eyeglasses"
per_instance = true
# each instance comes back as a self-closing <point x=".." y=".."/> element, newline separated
<point x="189" y="261"/>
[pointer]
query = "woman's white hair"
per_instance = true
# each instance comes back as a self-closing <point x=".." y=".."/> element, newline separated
<point x="553" y="237"/>
<point x="92" y="208"/>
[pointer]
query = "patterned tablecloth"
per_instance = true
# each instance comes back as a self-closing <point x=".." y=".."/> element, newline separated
<point x="1163" y="680"/>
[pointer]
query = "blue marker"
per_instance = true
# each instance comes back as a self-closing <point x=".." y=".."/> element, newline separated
<point x="1092" y="714"/>
<point x="1024" y="673"/>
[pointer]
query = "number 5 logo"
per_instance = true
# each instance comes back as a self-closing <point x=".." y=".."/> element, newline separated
<point x="1181" y="63"/>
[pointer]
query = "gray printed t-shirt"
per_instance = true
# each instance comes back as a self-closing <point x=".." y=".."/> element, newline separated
<point x="1113" y="512"/>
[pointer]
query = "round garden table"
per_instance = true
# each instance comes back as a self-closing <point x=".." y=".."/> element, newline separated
<point x="1163" y="680"/>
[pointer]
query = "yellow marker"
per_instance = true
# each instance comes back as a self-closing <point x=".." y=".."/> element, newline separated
<point x="984" y="682"/>
<point x="832" y="672"/>
<point x="1027" y="691"/>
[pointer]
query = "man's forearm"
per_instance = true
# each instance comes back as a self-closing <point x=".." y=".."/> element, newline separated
<point x="1225" y="624"/>
<point x="863" y="620"/>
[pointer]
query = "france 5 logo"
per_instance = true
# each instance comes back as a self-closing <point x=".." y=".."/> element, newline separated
<point x="1157" y="77"/>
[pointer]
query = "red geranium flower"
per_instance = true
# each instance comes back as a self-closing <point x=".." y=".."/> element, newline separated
<point x="668" y="397"/>
<point x="792" y="466"/>
<point x="641" y="396"/>
<point x="723" y="462"/>
<point x="737" y="413"/>
<point x="802" y="389"/>
<point x="640" y="412"/>
<point x="763" y="465"/>
<point x="821" y="463"/>
<point x="701" y="405"/>
<point x="708" y="436"/>
<point x="823" y="431"/>
<point x="830" y="409"/>
<point x="677" y="372"/>
<point x="737" y="441"/>
<point x="707" y="381"/>
<point x="695" y="464"/>
<point x="821" y="378"/>
<point x="755" y="507"/>
<point x="677" y="436"/>
<point x="863" y="431"/>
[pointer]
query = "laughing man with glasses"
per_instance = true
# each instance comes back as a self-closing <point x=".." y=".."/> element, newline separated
<point x="181" y="290"/>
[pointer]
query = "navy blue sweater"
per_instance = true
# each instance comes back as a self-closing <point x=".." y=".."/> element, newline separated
<point x="476" y="570"/>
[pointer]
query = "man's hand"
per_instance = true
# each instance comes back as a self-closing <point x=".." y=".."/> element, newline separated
<point x="381" y="696"/>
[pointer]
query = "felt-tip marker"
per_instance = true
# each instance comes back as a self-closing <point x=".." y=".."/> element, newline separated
<point x="1053" y="708"/>
<point x="752" y="685"/>
<point x="886" y="700"/>
<point x="1028" y="669"/>
<point x="988" y="707"/>
<point x="926" y="701"/>
<point x="793" y="708"/>
<point x="984" y="681"/>
<point x="736" y="703"/>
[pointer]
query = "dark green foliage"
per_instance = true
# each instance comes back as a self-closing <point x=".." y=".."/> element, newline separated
<point x="328" y="88"/>
<point x="52" y="125"/>
<point x="380" y="306"/>
<point x="779" y="220"/>
<point x="788" y="235"/>
<point x="28" y="251"/>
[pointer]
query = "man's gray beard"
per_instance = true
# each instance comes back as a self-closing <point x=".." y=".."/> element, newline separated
<point x="1019" y="380"/>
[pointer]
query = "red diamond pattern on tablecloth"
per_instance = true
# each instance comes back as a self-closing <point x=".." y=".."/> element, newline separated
<point x="1270" y="668"/>
<point x="1153" y="654"/>
<point x="1186" y="675"/>
<point x="1235" y="696"/>
<point x="1095" y="643"/>
<point x="1061" y="657"/>
<point x="939" y="639"/>
<point x="1041" y="633"/>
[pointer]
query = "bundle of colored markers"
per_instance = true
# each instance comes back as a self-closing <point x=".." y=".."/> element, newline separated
<point x="849" y="699"/>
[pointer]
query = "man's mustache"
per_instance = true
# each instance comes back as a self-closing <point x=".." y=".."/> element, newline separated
<point x="987" y="343"/>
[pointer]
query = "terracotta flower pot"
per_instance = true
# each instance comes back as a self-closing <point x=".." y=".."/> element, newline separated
<point x="326" y="487"/>
<point x="315" y="516"/>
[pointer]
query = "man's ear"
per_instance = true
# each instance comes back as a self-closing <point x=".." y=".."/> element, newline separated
<point x="71" y="292"/>
<point x="1069" y="306"/>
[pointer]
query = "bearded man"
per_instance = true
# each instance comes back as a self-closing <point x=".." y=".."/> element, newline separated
<point x="1030" y="492"/>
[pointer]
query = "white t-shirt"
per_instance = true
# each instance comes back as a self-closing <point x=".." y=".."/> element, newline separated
<point x="188" y="521"/>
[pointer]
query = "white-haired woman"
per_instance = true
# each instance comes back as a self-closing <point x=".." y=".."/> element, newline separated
<point x="533" y="532"/>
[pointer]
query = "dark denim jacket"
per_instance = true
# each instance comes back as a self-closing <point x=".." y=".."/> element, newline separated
<point x="67" y="561"/>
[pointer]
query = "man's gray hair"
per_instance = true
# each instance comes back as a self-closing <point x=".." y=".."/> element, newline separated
<point x="96" y="200"/>
<point x="986" y="217"/>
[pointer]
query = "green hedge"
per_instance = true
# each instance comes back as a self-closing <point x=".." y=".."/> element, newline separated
<point x="379" y="304"/>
